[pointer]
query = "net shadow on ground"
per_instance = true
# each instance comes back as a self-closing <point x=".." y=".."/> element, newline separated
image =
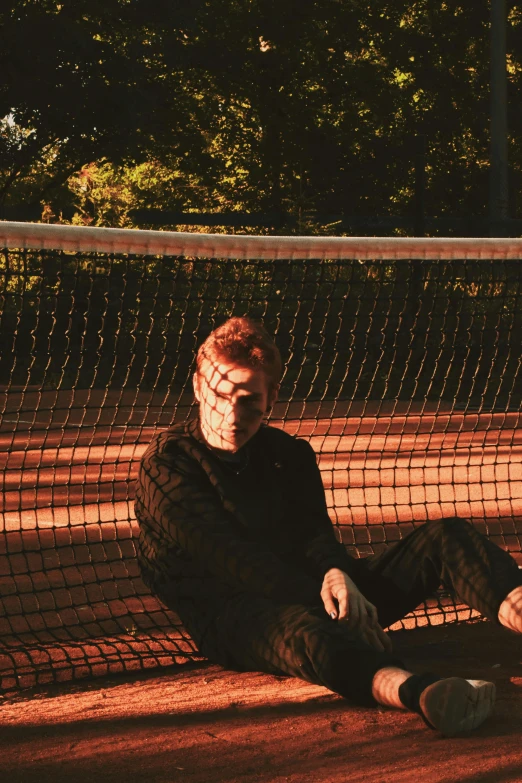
<point x="206" y="725"/>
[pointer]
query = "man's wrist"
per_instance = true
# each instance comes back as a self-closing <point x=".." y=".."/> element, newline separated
<point x="336" y="572"/>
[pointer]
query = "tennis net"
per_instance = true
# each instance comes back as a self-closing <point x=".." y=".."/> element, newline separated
<point x="403" y="369"/>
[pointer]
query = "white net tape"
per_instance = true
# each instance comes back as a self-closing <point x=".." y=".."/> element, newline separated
<point x="117" y="240"/>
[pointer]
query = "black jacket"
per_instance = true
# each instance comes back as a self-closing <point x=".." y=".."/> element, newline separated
<point x="207" y="532"/>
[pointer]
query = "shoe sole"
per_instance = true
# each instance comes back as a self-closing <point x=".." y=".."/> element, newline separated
<point x="454" y="705"/>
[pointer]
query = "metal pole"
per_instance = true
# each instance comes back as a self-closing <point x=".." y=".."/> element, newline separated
<point x="498" y="185"/>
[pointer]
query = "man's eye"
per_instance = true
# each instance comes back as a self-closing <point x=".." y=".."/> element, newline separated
<point x="252" y="405"/>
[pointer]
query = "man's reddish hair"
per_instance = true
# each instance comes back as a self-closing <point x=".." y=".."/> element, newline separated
<point x="245" y="342"/>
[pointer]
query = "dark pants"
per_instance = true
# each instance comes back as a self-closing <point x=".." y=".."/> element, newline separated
<point x="257" y="634"/>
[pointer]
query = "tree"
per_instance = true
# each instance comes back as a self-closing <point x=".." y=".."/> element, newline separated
<point x="85" y="81"/>
<point x="309" y="107"/>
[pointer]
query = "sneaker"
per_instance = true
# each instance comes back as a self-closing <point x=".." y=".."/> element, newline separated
<point x="454" y="705"/>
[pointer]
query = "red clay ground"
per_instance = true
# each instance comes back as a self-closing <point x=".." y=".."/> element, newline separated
<point x="200" y="724"/>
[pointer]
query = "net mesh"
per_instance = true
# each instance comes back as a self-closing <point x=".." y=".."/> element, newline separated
<point x="403" y="371"/>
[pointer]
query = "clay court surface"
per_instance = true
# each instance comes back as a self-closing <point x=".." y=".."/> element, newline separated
<point x="70" y="463"/>
<point x="381" y="465"/>
<point x="201" y="724"/>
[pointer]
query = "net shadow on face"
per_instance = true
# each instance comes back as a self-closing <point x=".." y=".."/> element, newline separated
<point x="233" y="399"/>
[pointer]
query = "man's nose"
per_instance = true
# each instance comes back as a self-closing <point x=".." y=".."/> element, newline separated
<point x="232" y="413"/>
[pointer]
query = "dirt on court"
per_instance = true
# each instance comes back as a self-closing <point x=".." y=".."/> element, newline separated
<point x="200" y="724"/>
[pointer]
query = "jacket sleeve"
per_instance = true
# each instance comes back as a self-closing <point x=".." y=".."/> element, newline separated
<point x="319" y="543"/>
<point x="188" y="514"/>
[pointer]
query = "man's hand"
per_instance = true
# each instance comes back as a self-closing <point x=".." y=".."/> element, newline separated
<point x="344" y="601"/>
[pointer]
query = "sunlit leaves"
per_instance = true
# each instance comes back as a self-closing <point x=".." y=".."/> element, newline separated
<point x="306" y="107"/>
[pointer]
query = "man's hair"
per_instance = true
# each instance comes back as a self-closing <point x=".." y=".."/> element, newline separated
<point x="246" y="342"/>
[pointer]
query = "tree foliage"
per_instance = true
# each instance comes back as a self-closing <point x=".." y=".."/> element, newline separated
<point x="308" y="106"/>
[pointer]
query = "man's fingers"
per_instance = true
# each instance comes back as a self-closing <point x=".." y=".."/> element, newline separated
<point x="344" y="601"/>
<point x="354" y="613"/>
<point x="377" y="638"/>
<point x="345" y="608"/>
<point x="329" y="604"/>
<point x="371" y="611"/>
<point x="384" y="638"/>
<point x="371" y="638"/>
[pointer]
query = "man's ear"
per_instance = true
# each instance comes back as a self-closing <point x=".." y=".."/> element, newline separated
<point x="272" y="397"/>
<point x="195" y="386"/>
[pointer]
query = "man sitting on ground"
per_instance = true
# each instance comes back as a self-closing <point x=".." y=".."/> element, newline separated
<point x="236" y="538"/>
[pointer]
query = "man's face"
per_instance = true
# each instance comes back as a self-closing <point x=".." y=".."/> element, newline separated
<point x="232" y="402"/>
